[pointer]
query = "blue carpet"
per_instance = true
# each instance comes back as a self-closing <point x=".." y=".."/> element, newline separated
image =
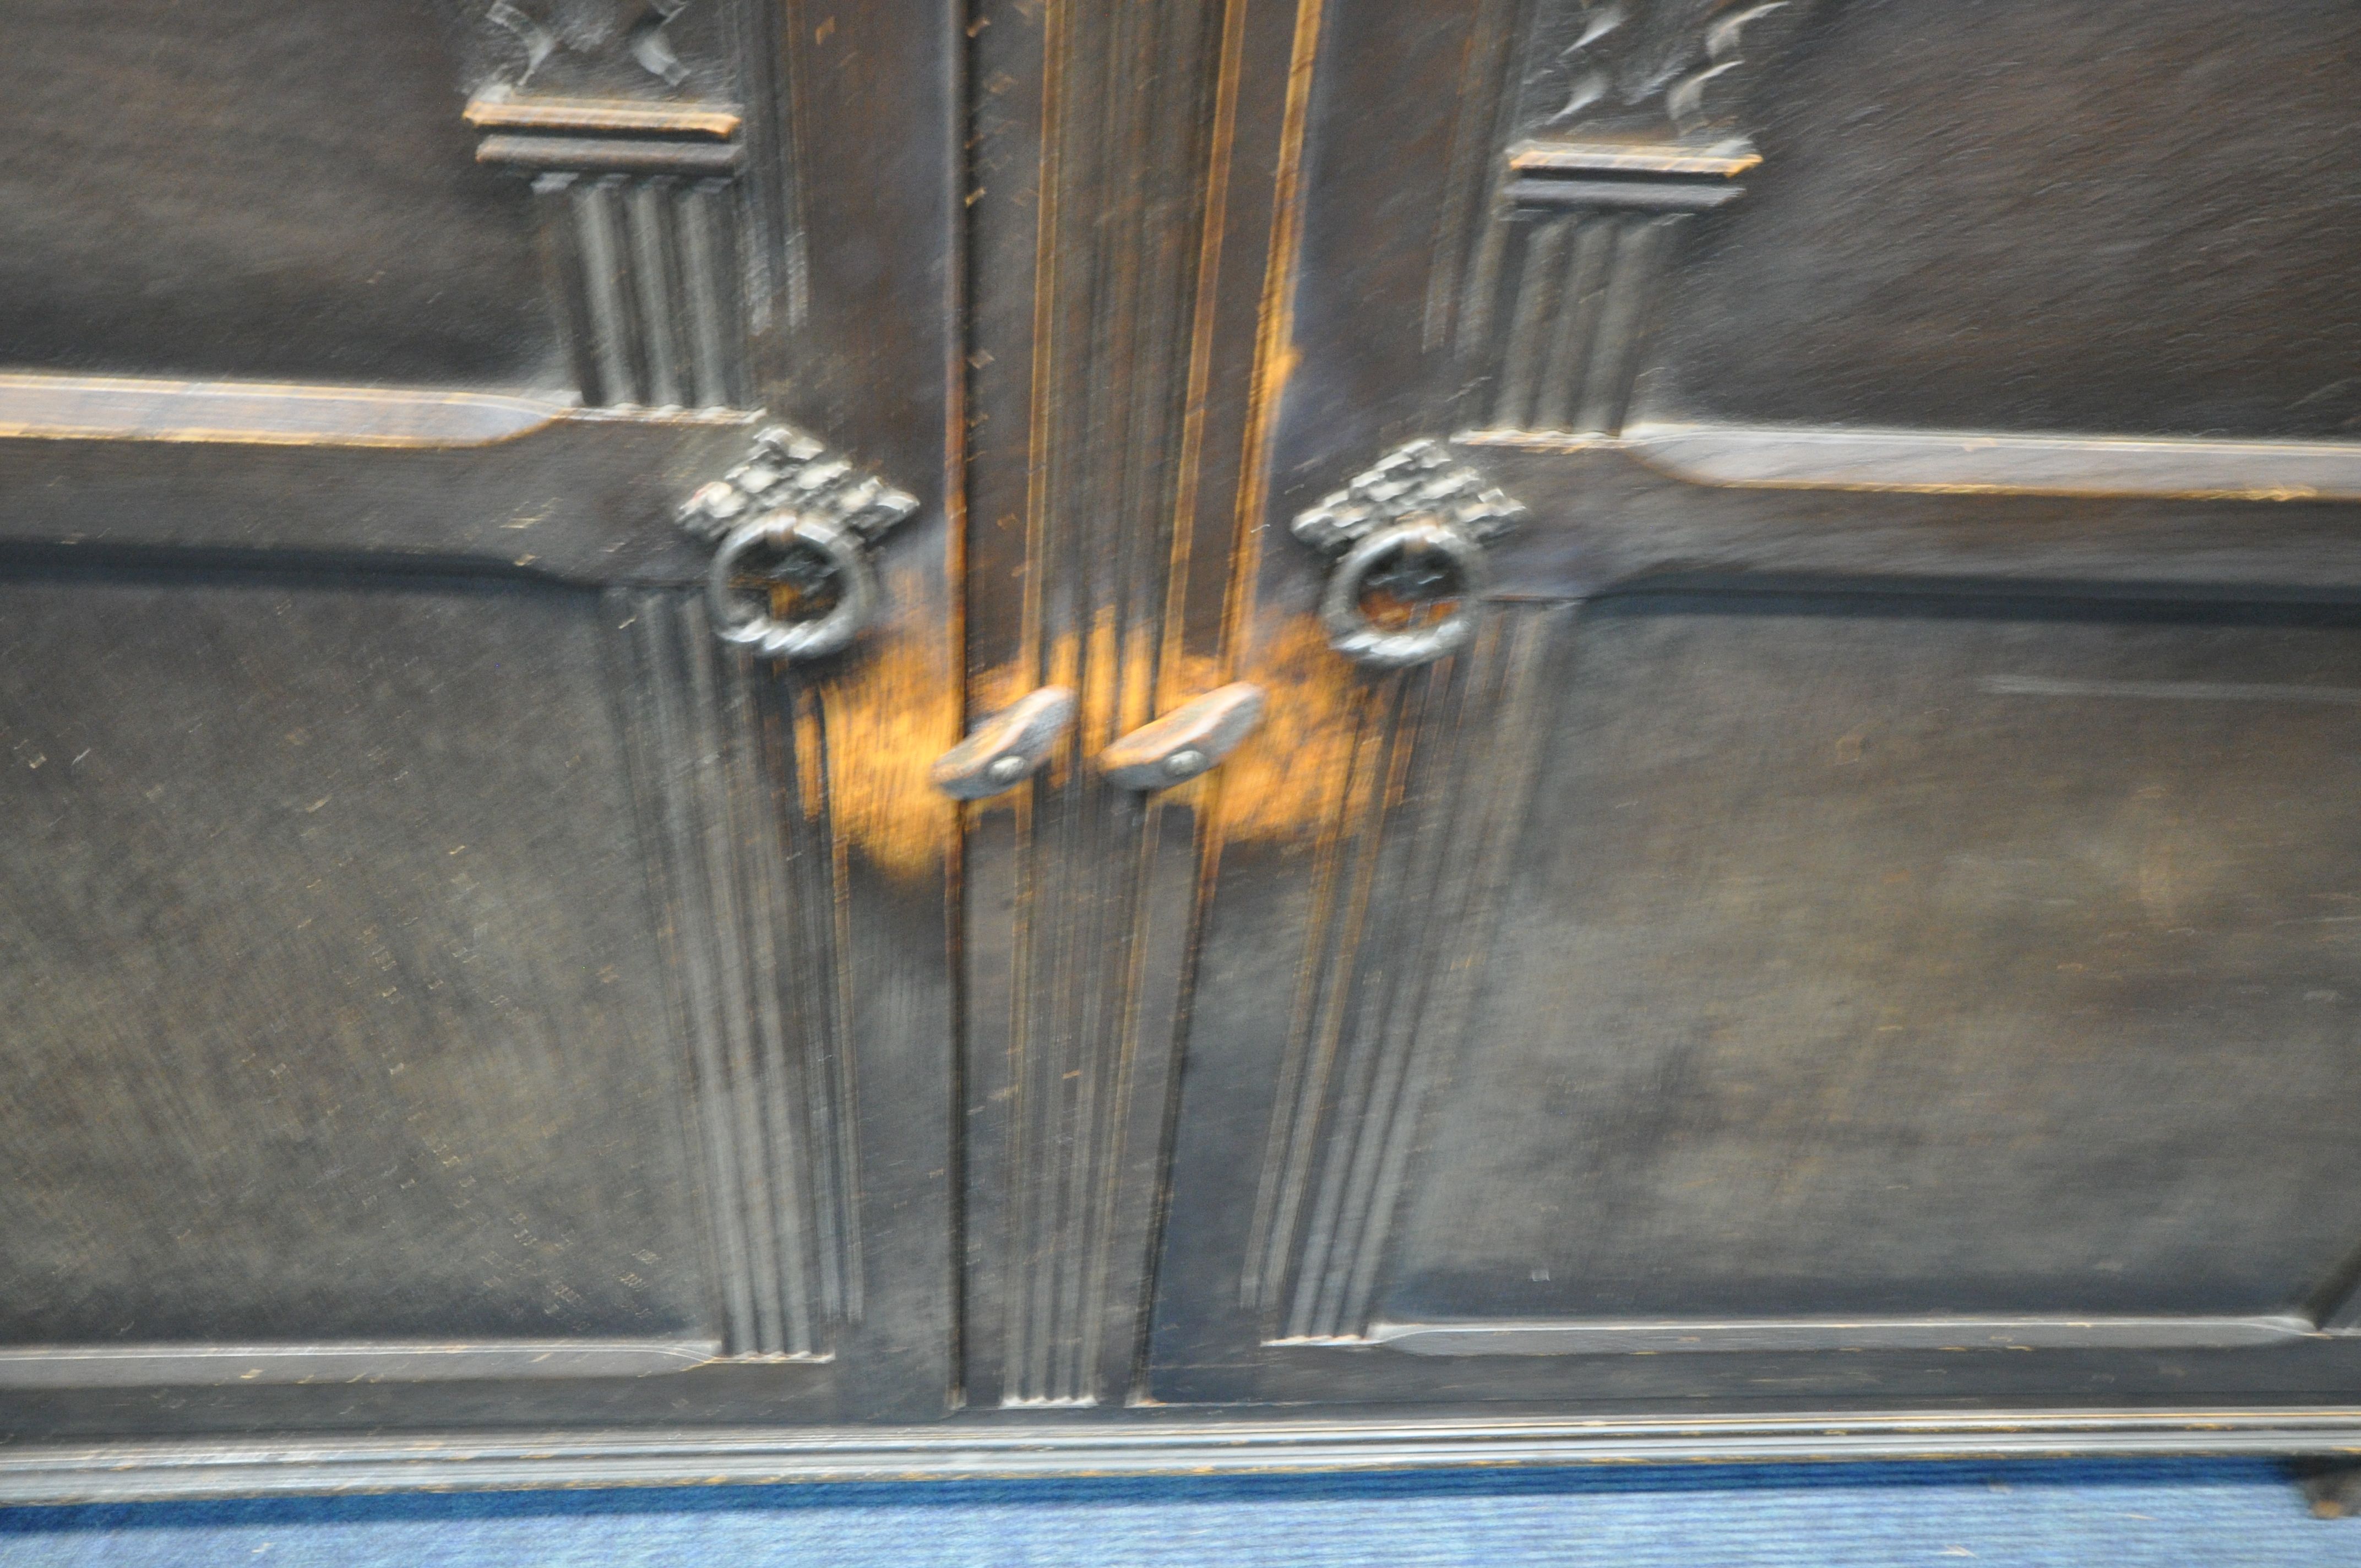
<point x="2121" y="1514"/>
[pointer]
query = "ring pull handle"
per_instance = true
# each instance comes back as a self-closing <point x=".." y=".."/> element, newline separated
<point x="1351" y="631"/>
<point x="1415" y="509"/>
<point x="1006" y="749"/>
<point x="1186" y="741"/>
<point x="837" y="549"/>
<point x="820" y="516"/>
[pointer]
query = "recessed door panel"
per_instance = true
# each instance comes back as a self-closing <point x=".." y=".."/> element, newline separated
<point x="1856" y="981"/>
<point x="260" y="189"/>
<point x="315" y="1033"/>
<point x="1876" y="966"/>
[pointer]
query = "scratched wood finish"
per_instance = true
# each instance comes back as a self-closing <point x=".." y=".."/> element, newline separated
<point x="1855" y="932"/>
<point x="1433" y="1144"/>
<point x="1113" y="362"/>
<point x="335" y="1132"/>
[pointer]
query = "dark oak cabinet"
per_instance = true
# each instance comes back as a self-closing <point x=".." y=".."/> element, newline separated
<point x="1661" y="698"/>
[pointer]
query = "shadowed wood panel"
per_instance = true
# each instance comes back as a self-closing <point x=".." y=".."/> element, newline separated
<point x="1862" y="965"/>
<point x="332" y="1007"/>
<point x="262" y="188"/>
<point x="2017" y="216"/>
<point x="1406" y="889"/>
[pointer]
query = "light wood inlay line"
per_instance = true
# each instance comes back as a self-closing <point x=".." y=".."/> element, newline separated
<point x="1578" y="1338"/>
<point x="343" y="1361"/>
<point x="34" y="406"/>
<point x="1729" y="160"/>
<point x="597" y="114"/>
<point x="1962" y="462"/>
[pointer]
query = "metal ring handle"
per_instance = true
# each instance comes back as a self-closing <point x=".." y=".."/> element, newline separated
<point x="1359" y="638"/>
<point x="841" y="548"/>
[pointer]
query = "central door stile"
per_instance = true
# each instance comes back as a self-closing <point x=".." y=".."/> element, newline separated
<point x="1119" y="209"/>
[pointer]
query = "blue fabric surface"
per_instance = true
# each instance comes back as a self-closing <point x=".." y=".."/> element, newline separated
<point x="2123" y="1514"/>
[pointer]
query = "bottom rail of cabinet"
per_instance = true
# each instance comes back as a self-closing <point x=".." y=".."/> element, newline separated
<point x="1160" y="1443"/>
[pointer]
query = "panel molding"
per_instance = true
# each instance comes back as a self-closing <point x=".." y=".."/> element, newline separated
<point x="1673" y="1336"/>
<point x="36" y="405"/>
<point x="1966" y="462"/>
<point x="729" y="762"/>
<point x="1406" y="893"/>
<point x="342" y="1361"/>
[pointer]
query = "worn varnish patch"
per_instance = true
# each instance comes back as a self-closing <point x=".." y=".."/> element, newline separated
<point x="883" y="719"/>
<point x="1284" y="781"/>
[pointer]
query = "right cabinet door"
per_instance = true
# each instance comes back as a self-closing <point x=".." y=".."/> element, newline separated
<point x="1869" y="917"/>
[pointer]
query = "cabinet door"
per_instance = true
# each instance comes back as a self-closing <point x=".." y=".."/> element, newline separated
<point x="1122" y="242"/>
<point x="445" y="985"/>
<point x="1865" y="919"/>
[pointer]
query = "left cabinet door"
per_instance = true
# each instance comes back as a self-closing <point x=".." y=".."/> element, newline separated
<point x="443" y="984"/>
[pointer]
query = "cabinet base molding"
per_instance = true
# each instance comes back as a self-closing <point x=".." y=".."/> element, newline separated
<point x="983" y="1446"/>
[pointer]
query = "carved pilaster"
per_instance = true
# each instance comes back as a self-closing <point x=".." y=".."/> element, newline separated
<point x="1627" y="120"/>
<point x="652" y="133"/>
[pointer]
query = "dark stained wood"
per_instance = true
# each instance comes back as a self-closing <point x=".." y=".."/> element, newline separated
<point x="697" y="1005"/>
<point x="316" y="1034"/>
<point x="1850" y="957"/>
<point x="1401" y="1176"/>
<point x="1101" y="560"/>
<point x="258" y="188"/>
<point x="2001" y="218"/>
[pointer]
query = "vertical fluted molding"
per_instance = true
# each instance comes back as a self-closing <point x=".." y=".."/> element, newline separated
<point x="1409" y="888"/>
<point x="745" y="874"/>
